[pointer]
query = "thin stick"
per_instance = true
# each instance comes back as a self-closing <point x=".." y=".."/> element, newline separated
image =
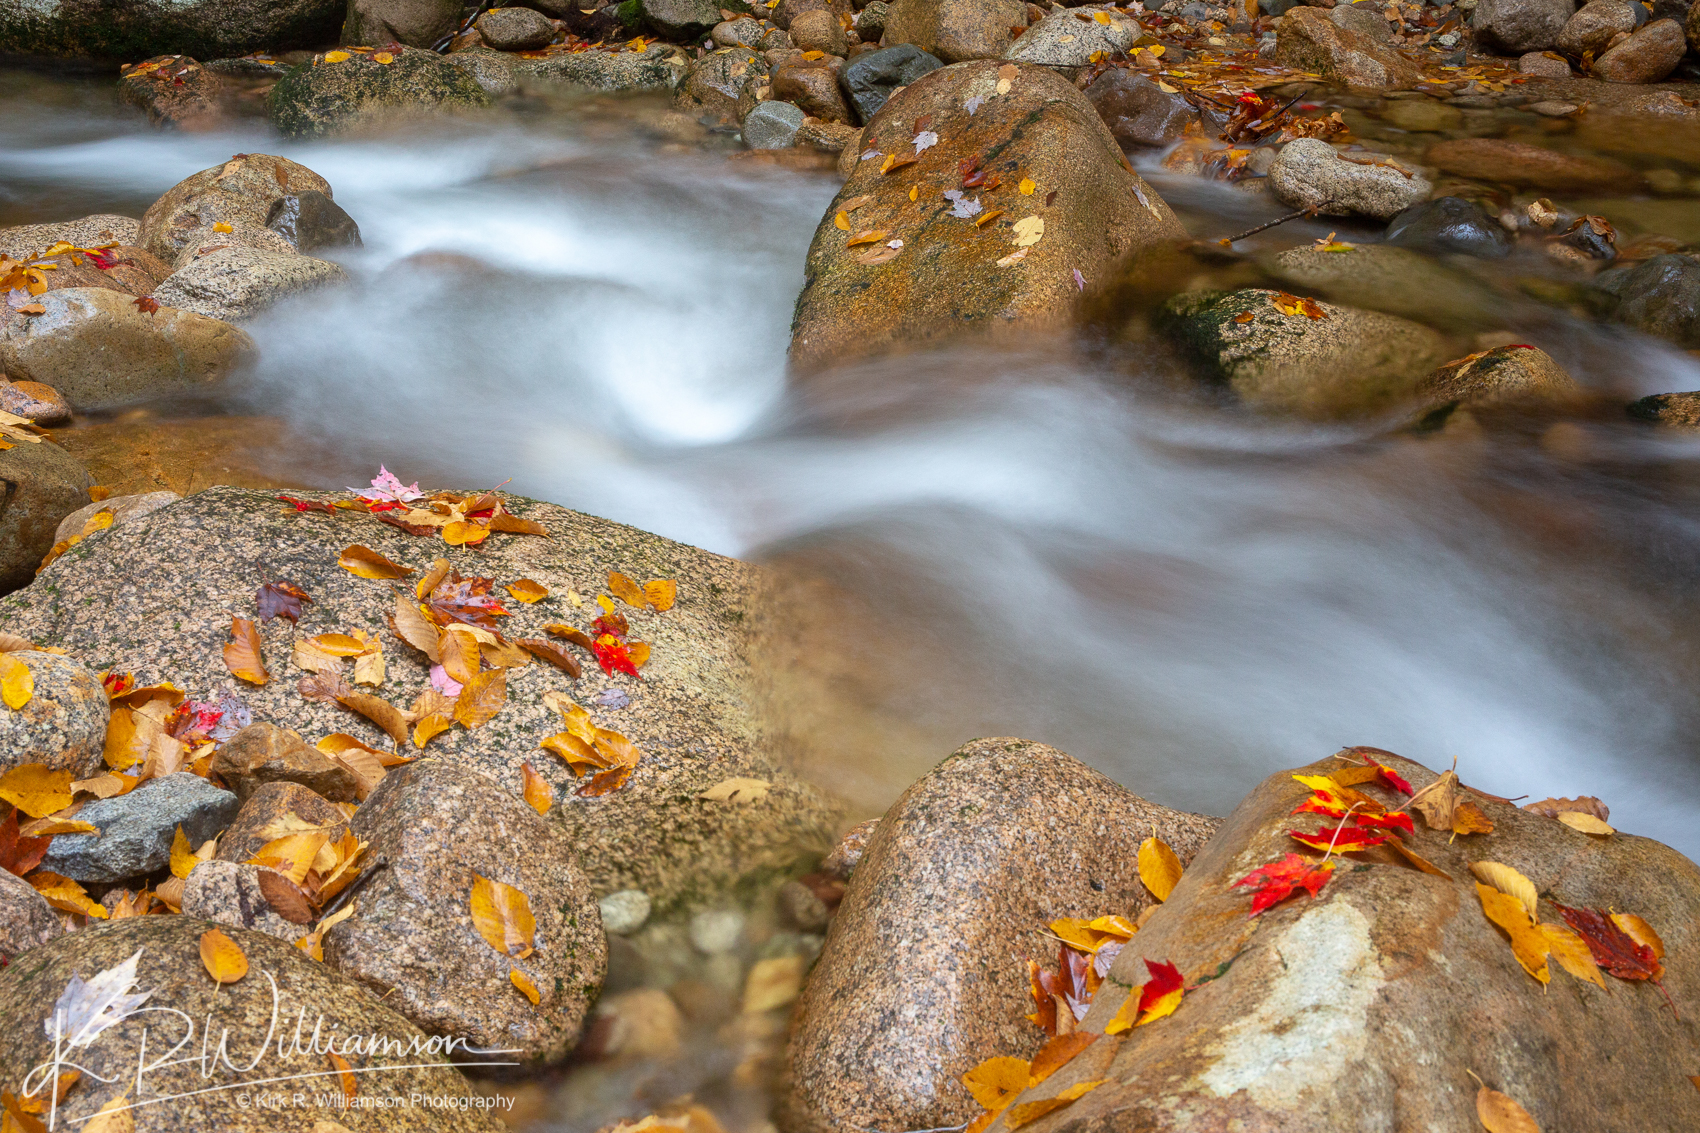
<point x="1229" y="241"/>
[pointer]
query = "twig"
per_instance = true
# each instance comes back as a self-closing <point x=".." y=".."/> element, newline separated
<point x="938" y="1129"/>
<point x="1230" y="241"/>
<point x="1338" y="830"/>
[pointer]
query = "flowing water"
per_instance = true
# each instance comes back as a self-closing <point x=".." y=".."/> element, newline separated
<point x="1069" y="549"/>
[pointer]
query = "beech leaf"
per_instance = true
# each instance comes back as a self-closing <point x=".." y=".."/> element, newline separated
<point x="1500" y="1114"/>
<point x="381" y="712"/>
<point x="17" y="683"/>
<point x="36" y="789"/>
<point x="364" y="562"/>
<point x="737" y="790"/>
<point x="1159" y="868"/>
<point x="1507" y="880"/>
<point x="482" y="698"/>
<point x="539" y="794"/>
<point x="242" y="654"/>
<point x="222" y="957"/>
<point x="502" y="915"/>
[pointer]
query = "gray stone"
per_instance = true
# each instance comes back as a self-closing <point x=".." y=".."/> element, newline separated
<point x="870" y="21"/>
<point x="1308" y="173"/>
<point x="680" y="19"/>
<point x="1658" y="296"/>
<point x="1521" y="376"/>
<point x="1365" y="18"/>
<point x="139" y="29"/>
<point x="319" y="97"/>
<point x="1138" y="111"/>
<point x="416" y="23"/>
<point x="720" y="84"/>
<point x="1647" y="56"/>
<point x="230" y="894"/>
<point x="515" y="29"/>
<point x="1393" y="280"/>
<point x="42" y="484"/>
<point x="63" y="724"/>
<point x="136" y="830"/>
<point x="23" y="241"/>
<point x="1450" y="225"/>
<point x="1594" y="25"/>
<point x="741" y="32"/>
<point x="1544" y="65"/>
<point x="240" y="194"/>
<point x="1678" y="409"/>
<point x="921" y="976"/>
<point x="265" y="753"/>
<point x="714" y="931"/>
<point x="818" y="31"/>
<point x="234" y="284"/>
<point x="437" y="828"/>
<point x="1069" y="37"/>
<point x="1515" y="26"/>
<point x="658" y="68"/>
<point x="310" y="220"/>
<point x="26" y="919"/>
<point x="870" y="78"/>
<point x="492" y="70"/>
<point x="123" y="509"/>
<point x="624" y="912"/>
<point x="955" y="30"/>
<point x="772" y="125"/>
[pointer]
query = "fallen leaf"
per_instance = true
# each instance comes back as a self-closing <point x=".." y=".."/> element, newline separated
<point x="841" y="221"/>
<point x="1469" y="819"/>
<point x="280" y="600"/>
<point x="183" y="859"/>
<point x="222" y="957"/>
<point x="430" y="726"/>
<point x="1029" y="230"/>
<point x="625" y="588"/>
<point x="1586" y="823"/>
<point x="1275" y="882"/>
<point x="367" y="563"/>
<point x="285" y="897"/>
<point x="1398" y="846"/>
<point x="1640" y="932"/>
<point x="1613" y="949"/>
<point x="1437" y="801"/>
<point x="1158" y="996"/>
<point x="345" y="1078"/>
<point x="1572" y="953"/>
<point x="525" y="985"/>
<point x="1528" y="942"/>
<point x="661" y="593"/>
<point x="551" y="653"/>
<point x="383" y="57"/>
<point x="605" y="782"/>
<point x="36" y="789"/>
<point x="502" y="915"/>
<point x="17" y="683"/>
<point x="737" y="790"/>
<point x="895" y="161"/>
<point x="571" y="633"/>
<point x="146" y="304"/>
<point x="1018" y="1115"/>
<point x="293" y="854"/>
<point x="1026" y="187"/>
<point x="336" y="57"/>
<point x="64" y="894"/>
<point x="381" y="712"/>
<point x="1500" y="1114"/>
<point x="116" y="1116"/>
<point x="1057" y="1052"/>
<point x="1507" y="880"/>
<point x="1289" y="304"/>
<point x="539" y="794"/>
<point x="1159" y="868"/>
<point x="528" y="591"/>
<point x="1338" y="839"/>
<point x="18" y="854"/>
<point x="868" y="236"/>
<point x="1582" y="804"/>
<point x="481" y="699"/>
<point x="458" y="648"/>
<point x="997" y="1081"/>
<point x="369" y="668"/>
<point x="242" y="654"/>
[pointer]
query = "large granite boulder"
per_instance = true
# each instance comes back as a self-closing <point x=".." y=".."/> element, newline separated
<point x="1072" y="37"/>
<point x="659" y="67"/>
<point x="24" y="240"/>
<point x="123" y="33"/>
<point x="42" y="484"/>
<point x="1515" y="26"/>
<point x="325" y="95"/>
<point x="232" y="203"/>
<point x="1309" y="40"/>
<point x="414" y="23"/>
<point x="955" y="30"/>
<point x="63" y="724"/>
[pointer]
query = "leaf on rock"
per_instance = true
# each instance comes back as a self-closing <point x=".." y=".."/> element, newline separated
<point x="1289" y="304"/>
<point x="1275" y="882"/>
<point x="997" y="1081"/>
<point x="1398" y="846"/>
<point x="1613" y="949"/>
<point x="1507" y="880"/>
<point x="116" y="1116"/>
<point x="1500" y="1114"/>
<point x="539" y="794"/>
<point x="364" y="562"/>
<point x="17" y="683"/>
<point x="242" y="654"/>
<point x="293" y="854"/>
<point x="19" y="855"/>
<point x="1469" y="819"/>
<point x="1582" y="804"/>
<point x="285" y="897"/>
<point x="1572" y="953"/>
<point x="1586" y="823"/>
<point x="552" y="653"/>
<point x="64" y="894"/>
<point x="458" y="648"/>
<point x="1437" y="801"/>
<point x="661" y="593"/>
<point x="737" y="790"/>
<point x="412" y="626"/>
<point x="571" y="633"/>
<point x="482" y="698"/>
<point x="1158" y="996"/>
<point x="1029" y="230"/>
<point x="280" y="600"/>
<point x="1024" y="1113"/>
<point x="1528" y="942"/>
<point x="526" y="590"/>
<point x="1159" y="868"/>
<point x="85" y="1009"/>
<point x="605" y="782"/>
<point x="613" y="655"/>
<point x="345" y="1079"/>
<point x="626" y="589"/>
<point x="36" y="789"/>
<point x="183" y="858"/>
<point x="222" y="957"/>
<point x="502" y="915"/>
<point x="1057" y="1053"/>
<point x="526" y="986"/>
<point x="1338" y="839"/>
<point x="381" y="712"/>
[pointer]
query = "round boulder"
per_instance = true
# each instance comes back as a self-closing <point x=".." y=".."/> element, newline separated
<point x="1507" y="376"/>
<point x="63" y="724"/>
<point x="240" y="194"/>
<point x="1647" y="56"/>
<point x="1512" y="27"/>
<point x="415" y="23"/>
<point x="1309" y="173"/>
<point x="235" y="283"/>
<point x="137" y="29"/>
<point x="955" y="30"/>
<point x="1450" y="225"/>
<point x="43" y="484"/>
<point x="515" y="29"/>
<point x="325" y="95"/>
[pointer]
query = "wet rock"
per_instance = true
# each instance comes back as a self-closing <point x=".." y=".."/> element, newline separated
<point x="772" y="125"/>
<point x="265" y="753"/>
<point x="1518" y="163"/>
<point x="310" y="220"/>
<point x="491" y="70"/>
<point x="175" y="90"/>
<point x="1348" y="363"/>
<point x="1393" y="280"/>
<point x="1691" y="26"/>
<point x="1679" y="409"/>
<point x="680" y="19"/>
<point x="41" y="404"/>
<point x="1309" y="173"/>
<point x="1357" y="985"/>
<point x="130" y="269"/>
<point x="1450" y="225"/>
<point x="236" y="283"/>
<point x="240" y="194"/>
<point x="659" y="68"/>
<point x="721" y="85"/>
<point x="813" y="85"/>
<point x="1647" y="56"/>
<point x="870" y="78"/>
<point x="774" y="39"/>
<point x="42" y="484"/>
<point x="416" y="23"/>
<point x="1137" y="110"/>
<point x="204" y="29"/>
<point x="1518" y="376"/>
<point x="818" y="31"/>
<point x="1422" y="115"/>
<point x="1658" y="296"/>
<point x="1512" y="27"/>
<point x="268" y="811"/>
<point x="97" y="349"/>
<point x="827" y="137"/>
<point x="1594" y="25"/>
<point x="741" y="32"/>
<point x="63" y="725"/>
<point x="1309" y="40"/>
<point x="788" y="10"/>
<point x="946" y="280"/>
<point x="322" y="97"/>
<point x="1544" y="64"/>
<point x="136" y="829"/>
<point x="693" y="715"/>
<point x="437" y="827"/>
<point x="624" y="912"/>
<point x="1069" y="37"/>
<point x="1364" y="18"/>
<point x="954" y="30"/>
<point x="26" y="919"/>
<point x="123" y="509"/>
<point x="920" y="977"/>
<point x="230" y="894"/>
<point x="870" y="21"/>
<point x="183" y="1095"/>
<point x="515" y="29"/>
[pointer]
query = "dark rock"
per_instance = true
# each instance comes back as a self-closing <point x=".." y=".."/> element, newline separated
<point x="812" y="85"/>
<point x="42" y="405"/>
<point x="870" y="78"/>
<point x="175" y="90"/>
<point x="136" y="830"/>
<point x="870" y="21"/>
<point x="1594" y="25"/>
<point x="1535" y="167"/>
<point x="266" y="816"/>
<point x="1512" y="27"/>
<point x="320" y="97"/>
<point x="42" y="484"/>
<point x="1450" y="225"/>
<point x="436" y="828"/>
<point x="63" y="724"/>
<point x="415" y="23"/>
<point x="1309" y="40"/>
<point x="1691" y="26"/>
<point x="1137" y="110"/>
<point x="265" y="753"/>
<point x="921" y="975"/>
<point x="515" y="29"/>
<point x="1680" y="409"/>
<point x="772" y="125"/>
<point x="1647" y="56"/>
<point x="680" y="19"/>
<point x="26" y="919"/>
<point x="1659" y="296"/>
<point x="231" y="894"/>
<point x="205" y="29"/>
<point x="310" y="220"/>
<point x="955" y="31"/>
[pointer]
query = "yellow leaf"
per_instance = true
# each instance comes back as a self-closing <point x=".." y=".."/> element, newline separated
<point x="625" y="589"/>
<point x="996" y="1082"/>
<point x="1507" y="880"/>
<point x="429" y="727"/>
<point x="1102" y="17"/>
<point x="17" y="683"/>
<point x="842" y="220"/>
<point x="380" y="712"/>
<point x="1159" y="868"/>
<point x="291" y="855"/>
<point x="523" y="982"/>
<point x="369" y="668"/>
<point x="527" y="590"/>
<point x="338" y="645"/>
<point x="1572" y="953"/>
<point x="661" y="593"/>
<point x="578" y="753"/>
<point x="64" y="894"/>
<point x="49" y="827"/>
<point x="242" y="653"/>
<point x="222" y="227"/>
<point x="1528" y="942"/>
<point x="366" y="563"/>
<point x="222" y="957"/>
<point x="1586" y="823"/>
<point x="1020" y="1115"/>
<point x="1027" y="186"/>
<point x="439" y="571"/>
<point x="36" y="790"/>
<point x="914" y="195"/>
<point x="502" y="916"/>
<point x="116" y="1116"/>
<point x="1164" y="1004"/>
<point x="413" y="627"/>
<point x="482" y="698"/>
<point x="868" y="236"/>
<point x="1029" y="230"/>
<point x="1500" y="1114"/>
<point x="336" y="56"/>
<point x="539" y="794"/>
<point x="737" y="790"/>
<point x="458" y="647"/>
<point x="383" y="57"/>
<point x="1640" y="932"/>
<point x="461" y="533"/>
<point x="183" y="857"/>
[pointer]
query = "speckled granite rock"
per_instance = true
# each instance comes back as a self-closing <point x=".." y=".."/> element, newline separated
<point x="270" y="804"/>
<point x="229" y="894"/>
<point x="434" y="827"/>
<point x="136" y="830"/>
<point x="237" y="283"/>
<point x="42" y="484"/>
<point x="63" y="725"/>
<point x="24" y="240"/>
<point x="240" y="193"/>
<point x="26" y="919"/>
<point x="169" y="967"/>
<point x="693" y="715"/>
<point x="1332" y="1004"/>
<point x="1510" y="375"/>
<point x="922" y="977"/>
<point x="265" y="753"/>
<point x="659" y="68"/>
<point x="41" y="404"/>
<point x="1680" y="409"/>
<point x="123" y="508"/>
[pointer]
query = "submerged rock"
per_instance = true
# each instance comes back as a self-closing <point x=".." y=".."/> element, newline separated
<point x="44" y="484"/>
<point x="1309" y="40"/>
<point x="1310" y="173"/>
<point x="954" y="30"/>
<point x="1517" y="376"/>
<point x="321" y="97"/>
<point x="1535" y="167"/>
<point x="1397" y="281"/>
<point x="1450" y="224"/>
<point x="1659" y="296"/>
<point x="175" y="90"/>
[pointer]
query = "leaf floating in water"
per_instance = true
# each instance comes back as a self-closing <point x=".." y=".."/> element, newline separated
<point x="1026" y="187"/>
<point x="1029" y="230"/>
<point x="961" y="207"/>
<point x="1079" y="280"/>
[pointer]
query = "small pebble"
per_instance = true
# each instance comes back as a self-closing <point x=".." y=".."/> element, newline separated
<point x="714" y="931"/>
<point x="624" y="912"/>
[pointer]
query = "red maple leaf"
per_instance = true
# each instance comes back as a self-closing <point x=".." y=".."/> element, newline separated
<point x="1613" y="949"/>
<point x="1395" y="780"/>
<point x="146" y="304"/>
<point x="307" y="505"/>
<point x="1166" y="979"/>
<point x="1338" y="839"/>
<point x="1323" y="802"/>
<point x="1275" y="882"/>
<point x="117" y="684"/>
<point x="19" y="855"/>
<point x="613" y="624"/>
<point x="613" y="655"/>
<point x="1392" y="820"/>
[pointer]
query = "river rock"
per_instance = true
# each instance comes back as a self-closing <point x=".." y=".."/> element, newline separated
<point x="954" y="30"/>
<point x="870" y="78"/>
<point x="175" y="90"/>
<point x="1679" y="409"/>
<point x="680" y="19"/>
<point x="1348" y="363"/>
<point x="204" y="29"/>
<point x="1308" y="40"/>
<point x="23" y="241"/>
<point x="813" y="85"/>
<point x="1070" y="37"/>
<point x="491" y="70"/>
<point x="230" y="894"/>
<point x="236" y="283"/>
<point x="239" y="194"/>
<point x="437" y="828"/>
<point x="266" y="815"/>
<point x="515" y="29"/>
<point x="1647" y="56"/>
<point x="741" y="32"/>
<point x="265" y="753"/>
<point x="1450" y="225"/>
<point x="1594" y="25"/>
<point x="1422" y="115"/>
<point x="63" y="725"/>
<point x="1137" y="110"/>
<point x="94" y="346"/>
<point x="870" y="21"/>
<point x="1309" y="173"/>
<point x="131" y="270"/>
<point x="1543" y="65"/>
<point x="921" y="976"/>
<point x="772" y="125"/>
<point x="946" y="280"/>
<point x="1326" y="1004"/>
<point x="26" y="919"/>
<point x="787" y="10"/>
<point x="819" y="31"/>
<point x="827" y="137"/>
<point x="1520" y="376"/>
<point x="1393" y="280"/>
<point x="1512" y="27"/>
<point x="1363" y="17"/>
<point x="693" y="715"/>
<point x="44" y="484"/>
<point x="1535" y="167"/>
<point x="1659" y="296"/>
<point x="122" y="508"/>
<point x="136" y="829"/>
<point x="1691" y="26"/>
<point x="660" y="67"/>
<point x="309" y="220"/>
<point x="185" y="1094"/>
<point x="321" y="97"/>
<point x="415" y="23"/>
<point x="720" y="86"/>
<point x="42" y="405"/>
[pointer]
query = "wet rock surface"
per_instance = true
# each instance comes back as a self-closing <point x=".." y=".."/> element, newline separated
<point x="1309" y="173"/>
<point x="1648" y="55"/>
<point x="1394" y="280"/>
<point x="44" y="484"/>
<point x="772" y="125"/>
<point x="41" y="404"/>
<point x="205" y="29"/>
<point x="870" y="78"/>
<point x="1508" y="376"/>
<point x="122" y="509"/>
<point x="322" y="97"/>
<point x="1519" y="163"/>
<point x="1137" y="110"/>
<point x="954" y="31"/>
<point x="416" y="23"/>
<point x="1450" y="225"/>
<point x="175" y="90"/>
<point x="1680" y="409"/>
<point x="63" y="724"/>
<point x="309" y="220"/>
<point x="1309" y="40"/>
<point x="136" y="829"/>
<point x="812" y="85"/>
<point x="1659" y="296"/>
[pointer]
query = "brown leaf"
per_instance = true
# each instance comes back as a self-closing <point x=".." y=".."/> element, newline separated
<point x="502" y="916"/>
<point x="551" y="653"/>
<point x="482" y="698"/>
<point x="527" y="590"/>
<point x="381" y="712"/>
<point x="571" y="633"/>
<point x="280" y="600"/>
<point x="1500" y="1114"/>
<point x="324" y="687"/>
<point x="412" y="626"/>
<point x="1438" y="801"/>
<point x="1582" y="804"/>
<point x="458" y="649"/>
<point x="605" y="782"/>
<point x="433" y="578"/>
<point x="364" y="562"/>
<point x="514" y="525"/>
<point x="285" y="898"/>
<point x="1469" y="819"/>
<point x="242" y="654"/>
<point x="504" y="654"/>
<point x="538" y="793"/>
<point x="345" y="1079"/>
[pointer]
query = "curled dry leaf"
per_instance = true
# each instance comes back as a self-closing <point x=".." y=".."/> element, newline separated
<point x="502" y="915"/>
<point x="280" y="600"/>
<point x="345" y="1078"/>
<point x="183" y="859"/>
<point x="222" y="957"/>
<point x="364" y="562"/>
<point x="539" y="794"/>
<point x="1289" y="304"/>
<point x="64" y="894"/>
<point x="1507" y="880"/>
<point x="412" y="626"/>
<point x="866" y="236"/>
<point x="1586" y="823"/>
<point x="1159" y="868"/>
<point x="19" y="854"/>
<point x="571" y="633"/>
<point x="285" y="898"/>
<point x="1582" y="804"/>
<point x="242" y="654"/>
<point x="552" y="653"/>
<point x="381" y="712"/>
<point x="605" y="782"/>
<point x="458" y="648"/>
